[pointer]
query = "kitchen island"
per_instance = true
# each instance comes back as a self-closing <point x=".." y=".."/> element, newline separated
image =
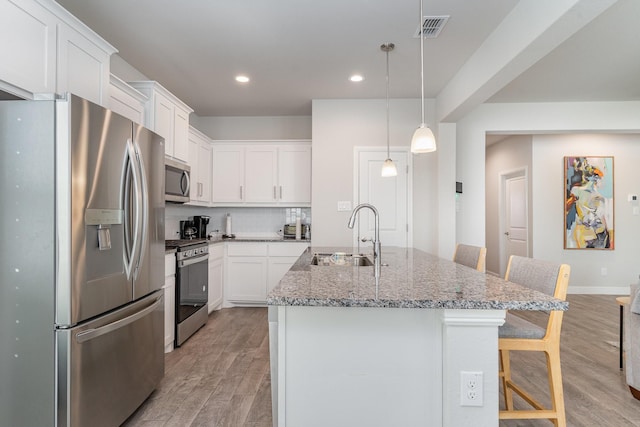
<point x="350" y="349"/>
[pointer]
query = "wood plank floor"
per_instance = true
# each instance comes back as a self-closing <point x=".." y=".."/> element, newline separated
<point x="220" y="377"/>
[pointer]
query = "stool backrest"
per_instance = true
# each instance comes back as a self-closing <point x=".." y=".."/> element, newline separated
<point x="471" y="256"/>
<point x="543" y="276"/>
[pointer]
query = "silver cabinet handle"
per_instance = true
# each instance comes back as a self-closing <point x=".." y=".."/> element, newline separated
<point x="274" y="193"/>
<point x="281" y="192"/>
<point x="241" y="192"/>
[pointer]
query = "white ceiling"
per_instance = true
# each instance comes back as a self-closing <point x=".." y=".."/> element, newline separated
<point x="299" y="50"/>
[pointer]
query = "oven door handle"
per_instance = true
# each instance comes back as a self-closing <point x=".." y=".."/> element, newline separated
<point x="90" y="334"/>
<point x="190" y="261"/>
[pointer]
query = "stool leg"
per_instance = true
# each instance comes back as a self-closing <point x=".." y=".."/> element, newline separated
<point x="555" y="386"/>
<point x="621" y="334"/>
<point x="505" y="365"/>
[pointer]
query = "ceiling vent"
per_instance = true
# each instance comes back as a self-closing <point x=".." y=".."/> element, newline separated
<point x="431" y="26"/>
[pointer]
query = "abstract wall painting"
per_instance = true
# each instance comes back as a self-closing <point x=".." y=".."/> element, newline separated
<point x="588" y="209"/>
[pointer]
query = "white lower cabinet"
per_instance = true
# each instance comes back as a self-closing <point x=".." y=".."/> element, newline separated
<point x="216" y="276"/>
<point x="169" y="301"/>
<point x="253" y="269"/>
<point x="246" y="272"/>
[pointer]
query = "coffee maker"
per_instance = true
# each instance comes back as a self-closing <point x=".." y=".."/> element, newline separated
<point x="200" y="223"/>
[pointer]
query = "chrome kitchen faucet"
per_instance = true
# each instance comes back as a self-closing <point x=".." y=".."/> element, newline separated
<point x="376" y="238"/>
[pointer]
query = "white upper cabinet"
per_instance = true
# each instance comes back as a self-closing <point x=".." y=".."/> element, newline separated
<point x="200" y="160"/>
<point x="167" y="116"/>
<point x="228" y="174"/>
<point x="46" y="50"/>
<point x="261" y="173"/>
<point x="126" y="101"/>
<point x="83" y="63"/>
<point x="294" y="174"/>
<point x="275" y="174"/>
<point x="27" y="48"/>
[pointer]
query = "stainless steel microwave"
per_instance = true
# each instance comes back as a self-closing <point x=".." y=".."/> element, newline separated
<point x="177" y="181"/>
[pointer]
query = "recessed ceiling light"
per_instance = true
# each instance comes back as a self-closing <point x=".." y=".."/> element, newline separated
<point x="356" y="78"/>
<point x="242" y="79"/>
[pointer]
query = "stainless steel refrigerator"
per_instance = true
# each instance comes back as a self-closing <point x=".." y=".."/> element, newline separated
<point x="81" y="262"/>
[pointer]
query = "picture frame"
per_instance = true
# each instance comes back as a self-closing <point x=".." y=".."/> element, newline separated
<point x="589" y="202"/>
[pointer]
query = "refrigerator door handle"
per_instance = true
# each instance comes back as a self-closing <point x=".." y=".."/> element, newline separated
<point x="90" y="334"/>
<point x="134" y="210"/>
<point x="127" y="194"/>
<point x="142" y="228"/>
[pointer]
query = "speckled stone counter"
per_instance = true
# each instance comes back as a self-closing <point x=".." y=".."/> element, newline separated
<point x="409" y="278"/>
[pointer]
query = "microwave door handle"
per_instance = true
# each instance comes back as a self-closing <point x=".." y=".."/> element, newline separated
<point x="185" y="183"/>
<point x="90" y="334"/>
<point x="143" y="210"/>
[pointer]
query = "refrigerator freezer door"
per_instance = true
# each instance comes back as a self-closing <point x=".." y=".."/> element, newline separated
<point x="149" y="276"/>
<point x="107" y="367"/>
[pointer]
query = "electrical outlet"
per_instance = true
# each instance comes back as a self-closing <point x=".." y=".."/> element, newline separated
<point x="471" y="388"/>
<point x="344" y="206"/>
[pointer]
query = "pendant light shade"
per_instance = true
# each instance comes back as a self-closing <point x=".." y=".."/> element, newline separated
<point x="423" y="140"/>
<point x="388" y="168"/>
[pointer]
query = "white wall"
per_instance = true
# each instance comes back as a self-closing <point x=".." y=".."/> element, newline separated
<point x="252" y="128"/>
<point x="339" y="126"/>
<point x="537" y="118"/>
<point x="623" y="263"/>
<point x="124" y="70"/>
<point x="507" y="155"/>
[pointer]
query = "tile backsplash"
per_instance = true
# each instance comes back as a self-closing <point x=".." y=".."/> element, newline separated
<point x="246" y="221"/>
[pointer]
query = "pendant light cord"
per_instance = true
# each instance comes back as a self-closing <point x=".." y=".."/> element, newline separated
<point x="388" y="155"/>
<point x="422" y="60"/>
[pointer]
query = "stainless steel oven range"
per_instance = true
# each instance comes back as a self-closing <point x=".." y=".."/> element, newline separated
<point x="192" y="286"/>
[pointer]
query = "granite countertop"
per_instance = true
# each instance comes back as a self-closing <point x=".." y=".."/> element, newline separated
<point x="412" y="279"/>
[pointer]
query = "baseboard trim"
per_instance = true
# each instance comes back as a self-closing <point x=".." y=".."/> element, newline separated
<point x="599" y="290"/>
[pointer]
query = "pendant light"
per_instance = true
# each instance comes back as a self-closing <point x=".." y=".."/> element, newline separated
<point x="388" y="168"/>
<point x="423" y="140"/>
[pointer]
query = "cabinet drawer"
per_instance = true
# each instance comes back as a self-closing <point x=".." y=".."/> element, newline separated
<point x="287" y="249"/>
<point x="247" y="249"/>
<point x="170" y="264"/>
<point x="216" y="250"/>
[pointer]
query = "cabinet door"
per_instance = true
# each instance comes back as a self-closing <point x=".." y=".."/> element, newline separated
<point x="261" y="166"/>
<point x="83" y="68"/>
<point x="163" y="121"/>
<point x="294" y="174"/>
<point x="216" y="278"/>
<point x="204" y="171"/>
<point x="228" y="174"/>
<point x="278" y="267"/>
<point x="123" y="102"/>
<point x="28" y="46"/>
<point x="169" y="312"/>
<point x="247" y="279"/>
<point x="194" y="151"/>
<point x="180" y="134"/>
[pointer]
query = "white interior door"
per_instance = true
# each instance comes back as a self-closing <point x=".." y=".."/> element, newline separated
<point x="515" y="231"/>
<point x="389" y="195"/>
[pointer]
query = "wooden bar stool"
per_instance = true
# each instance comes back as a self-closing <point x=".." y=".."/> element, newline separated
<point x="471" y="256"/>
<point x="518" y="334"/>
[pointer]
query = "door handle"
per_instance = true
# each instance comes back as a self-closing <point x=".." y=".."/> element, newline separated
<point x="506" y="233"/>
<point x="94" y="333"/>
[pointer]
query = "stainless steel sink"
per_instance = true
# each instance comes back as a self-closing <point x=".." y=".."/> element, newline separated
<point x="352" y="260"/>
